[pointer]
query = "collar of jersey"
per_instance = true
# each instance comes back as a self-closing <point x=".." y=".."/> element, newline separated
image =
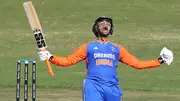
<point x="102" y="42"/>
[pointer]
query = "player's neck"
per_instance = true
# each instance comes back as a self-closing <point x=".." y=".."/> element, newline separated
<point x="102" y="39"/>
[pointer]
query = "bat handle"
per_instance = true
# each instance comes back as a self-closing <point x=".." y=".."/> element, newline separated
<point x="49" y="67"/>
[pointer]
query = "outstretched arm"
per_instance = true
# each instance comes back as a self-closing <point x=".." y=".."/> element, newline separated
<point x="132" y="61"/>
<point x="75" y="57"/>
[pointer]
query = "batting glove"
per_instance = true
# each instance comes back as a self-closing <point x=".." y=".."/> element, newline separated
<point x="43" y="55"/>
<point x="166" y="55"/>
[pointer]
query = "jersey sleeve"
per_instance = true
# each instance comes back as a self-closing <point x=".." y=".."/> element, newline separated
<point x="131" y="60"/>
<point x="75" y="57"/>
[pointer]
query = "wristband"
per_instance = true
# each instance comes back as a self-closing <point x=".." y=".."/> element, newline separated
<point x="161" y="61"/>
<point x="50" y="58"/>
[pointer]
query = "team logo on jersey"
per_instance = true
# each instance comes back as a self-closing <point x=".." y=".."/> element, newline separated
<point x="104" y="62"/>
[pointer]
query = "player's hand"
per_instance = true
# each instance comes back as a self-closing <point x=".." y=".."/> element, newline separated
<point x="166" y="55"/>
<point x="43" y="55"/>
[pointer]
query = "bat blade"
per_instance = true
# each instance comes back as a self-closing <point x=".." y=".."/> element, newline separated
<point x="35" y="25"/>
<point x="32" y="15"/>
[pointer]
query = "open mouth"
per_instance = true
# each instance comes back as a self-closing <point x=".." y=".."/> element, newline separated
<point x="105" y="28"/>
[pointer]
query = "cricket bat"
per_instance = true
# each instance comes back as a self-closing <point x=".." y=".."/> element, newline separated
<point x="35" y="25"/>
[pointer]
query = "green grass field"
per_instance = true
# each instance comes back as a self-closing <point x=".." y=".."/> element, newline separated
<point x="144" y="27"/>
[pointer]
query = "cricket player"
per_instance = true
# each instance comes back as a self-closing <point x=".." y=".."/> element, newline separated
<point x="102" y="57"/>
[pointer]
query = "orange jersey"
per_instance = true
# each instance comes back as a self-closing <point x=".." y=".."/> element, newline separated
<point x="124" y="56"/>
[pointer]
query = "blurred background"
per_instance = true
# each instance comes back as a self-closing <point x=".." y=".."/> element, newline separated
<point x="144" y="27"/>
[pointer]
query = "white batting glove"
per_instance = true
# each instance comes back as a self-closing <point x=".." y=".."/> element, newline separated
<point x="43" y="55"/>
<point x="166" y="55"/>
